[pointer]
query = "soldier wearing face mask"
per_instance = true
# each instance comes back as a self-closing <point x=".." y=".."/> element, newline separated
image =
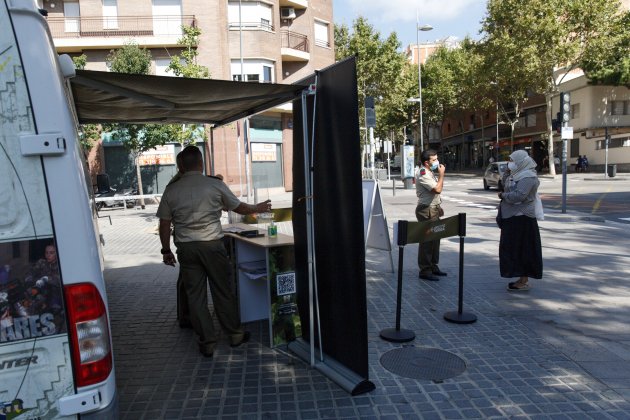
<point x="429" y="183"/>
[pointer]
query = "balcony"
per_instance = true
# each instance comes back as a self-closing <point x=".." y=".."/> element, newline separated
<point x="295" y="46"/>
<point x="71" y="33"/>
<point x="262" y="25"/>
<point x="296" y="4"/>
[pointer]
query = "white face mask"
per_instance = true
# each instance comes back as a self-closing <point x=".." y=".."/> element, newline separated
<point x="435" y="165"/>
<point x="511" y="166"/>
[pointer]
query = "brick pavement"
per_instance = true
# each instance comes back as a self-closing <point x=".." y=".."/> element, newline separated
<point x="525" y="356"/>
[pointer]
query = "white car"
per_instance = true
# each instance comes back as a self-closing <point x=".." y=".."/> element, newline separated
<point x="494" y="175"/>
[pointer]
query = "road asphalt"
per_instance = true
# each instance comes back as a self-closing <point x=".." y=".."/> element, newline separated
<point x="558" y="351"/>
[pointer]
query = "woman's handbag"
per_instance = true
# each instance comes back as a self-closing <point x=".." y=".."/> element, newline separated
<point x="499" y="218"/>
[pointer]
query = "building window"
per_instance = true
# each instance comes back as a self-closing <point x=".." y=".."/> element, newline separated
<point x="161" y="67"/>
<point x="575" y="111"/>
<point x="531" y="120"/>
<point x="72" y="15"/>
<point x="253" y="15"/>
<point x="321" y="34"/>
<point x="267" y="77"/>
<point x="622" y="142"/>
<point x="167" y="17"/>
<point x="110" y="14"/>
<point x="253" y="70"/>
<point x="619" y="107"/>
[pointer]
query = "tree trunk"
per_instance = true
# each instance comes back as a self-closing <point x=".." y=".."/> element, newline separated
<point x="139" y="181"/>
<point x="550" y="157"/>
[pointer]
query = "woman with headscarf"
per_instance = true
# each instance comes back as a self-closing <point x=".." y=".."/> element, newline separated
<point x="520" y="250"/>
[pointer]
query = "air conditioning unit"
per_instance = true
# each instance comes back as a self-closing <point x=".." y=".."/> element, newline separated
<point x="287" y="13"/>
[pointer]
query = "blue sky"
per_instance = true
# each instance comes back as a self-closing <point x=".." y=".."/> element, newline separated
<point x="448" y="17"/>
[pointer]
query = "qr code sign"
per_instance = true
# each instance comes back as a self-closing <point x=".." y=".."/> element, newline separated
<point x="285" y="283"/>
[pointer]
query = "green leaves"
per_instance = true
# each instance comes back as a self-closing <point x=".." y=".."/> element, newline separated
<point x="186" y="64"/>
<point x="608" y="59"/>
<point x="382" y="72"/>
<point x="130" y="59"/>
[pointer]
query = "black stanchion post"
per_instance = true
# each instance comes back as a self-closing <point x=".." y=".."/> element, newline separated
<point x="460" y="317"/>
<point x="398" y="335"/>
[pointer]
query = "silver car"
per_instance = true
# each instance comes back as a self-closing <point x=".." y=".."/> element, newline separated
<point x="494" y="175"/>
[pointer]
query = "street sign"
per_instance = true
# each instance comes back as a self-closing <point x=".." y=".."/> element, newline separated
<point x="567" y="133"/>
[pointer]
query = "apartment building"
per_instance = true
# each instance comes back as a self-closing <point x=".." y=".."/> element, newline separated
<point x="277" y="41"/>
<point x="596" y="112"/>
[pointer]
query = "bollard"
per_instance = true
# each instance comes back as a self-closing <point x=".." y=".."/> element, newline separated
<point x="397" y="334"/>
<point x="393" y="187"/>
<point x="459" y="316"/>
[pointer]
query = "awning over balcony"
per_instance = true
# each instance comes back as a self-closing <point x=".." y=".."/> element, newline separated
<point x="105" y="97"/>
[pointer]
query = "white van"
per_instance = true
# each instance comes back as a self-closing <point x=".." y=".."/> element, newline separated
<point x="56" y="358"/>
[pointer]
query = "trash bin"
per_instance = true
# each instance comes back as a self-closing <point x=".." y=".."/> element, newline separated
<point x="612" y="170"/>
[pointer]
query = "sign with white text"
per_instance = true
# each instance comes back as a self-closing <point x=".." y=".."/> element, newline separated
<point x="160" y="155"/>
<point x="263" y="152"/>
<point x="567" y="133"/>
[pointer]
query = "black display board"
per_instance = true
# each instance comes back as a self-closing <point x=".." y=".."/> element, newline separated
<point x="337" y="217"/>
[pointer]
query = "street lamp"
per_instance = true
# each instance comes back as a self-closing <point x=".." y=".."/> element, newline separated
<point x="424" y="28"/>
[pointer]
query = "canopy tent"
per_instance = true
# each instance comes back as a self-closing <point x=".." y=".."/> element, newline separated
<point x="327" y="102"/>
<point x="106" y="97"/>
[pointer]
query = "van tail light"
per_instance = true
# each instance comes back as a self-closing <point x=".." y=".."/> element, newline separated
<point x="89" y="333"/>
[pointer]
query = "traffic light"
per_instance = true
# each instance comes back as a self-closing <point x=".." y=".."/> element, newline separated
<point x="565" y="106"/>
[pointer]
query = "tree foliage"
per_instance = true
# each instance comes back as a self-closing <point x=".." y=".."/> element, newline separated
<point x="534" y="38"/>
<point x="130" y="58"/>
<point x="381" y="72"/>
<point x="439" y="86"/>
<point x="185" y="64"/>
<point x="608" y="60"/>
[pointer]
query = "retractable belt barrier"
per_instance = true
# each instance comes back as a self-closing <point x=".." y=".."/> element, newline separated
<point x="420" y="232"/>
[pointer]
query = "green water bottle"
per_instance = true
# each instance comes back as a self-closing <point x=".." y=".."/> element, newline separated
<point x="272" y="230"/>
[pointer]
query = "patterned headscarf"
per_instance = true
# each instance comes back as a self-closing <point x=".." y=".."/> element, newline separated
<point x="525" y="165"/>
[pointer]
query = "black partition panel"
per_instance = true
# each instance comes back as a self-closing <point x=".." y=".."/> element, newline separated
<point x="337" y="216"/>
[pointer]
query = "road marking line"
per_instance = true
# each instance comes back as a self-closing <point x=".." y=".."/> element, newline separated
<point x="599" y="201"/>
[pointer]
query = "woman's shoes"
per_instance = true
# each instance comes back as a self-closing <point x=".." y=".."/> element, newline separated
<point x="517" y="287"/>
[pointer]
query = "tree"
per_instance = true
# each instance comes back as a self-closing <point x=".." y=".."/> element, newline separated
<point x="608" y="60"/>
<point x="382" y="73"/>
<point x="544" y="36"/>
<point x="185" y="64"/>
<point x="440" y="94"/>
<point x="137" y="138"/>
<point x="131" y="59"/>
<point x="134" y="60"/>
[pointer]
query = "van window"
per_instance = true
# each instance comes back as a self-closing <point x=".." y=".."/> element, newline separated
<point x="31" y="301"/>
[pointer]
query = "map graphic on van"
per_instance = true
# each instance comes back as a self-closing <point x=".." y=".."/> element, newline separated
<point x="31" y="293"/>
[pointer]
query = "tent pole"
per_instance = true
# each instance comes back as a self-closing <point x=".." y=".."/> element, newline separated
<point x="309" y="222"/>
<point x="312" y="156"/>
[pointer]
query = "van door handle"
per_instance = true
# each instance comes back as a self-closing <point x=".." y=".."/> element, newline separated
<point x="47" y="144"/>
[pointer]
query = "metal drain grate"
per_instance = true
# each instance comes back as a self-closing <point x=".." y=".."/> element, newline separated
<point x="423" y="363"/>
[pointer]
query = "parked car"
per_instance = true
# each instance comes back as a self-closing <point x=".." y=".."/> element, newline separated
<point x="494" y="175"/>
<point x="56" y="356"/>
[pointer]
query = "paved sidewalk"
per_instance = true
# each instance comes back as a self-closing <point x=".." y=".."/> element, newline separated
<point x="559" y="351"/>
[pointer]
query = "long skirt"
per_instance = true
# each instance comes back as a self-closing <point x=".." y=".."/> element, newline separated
<point x="520" y="251"/>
